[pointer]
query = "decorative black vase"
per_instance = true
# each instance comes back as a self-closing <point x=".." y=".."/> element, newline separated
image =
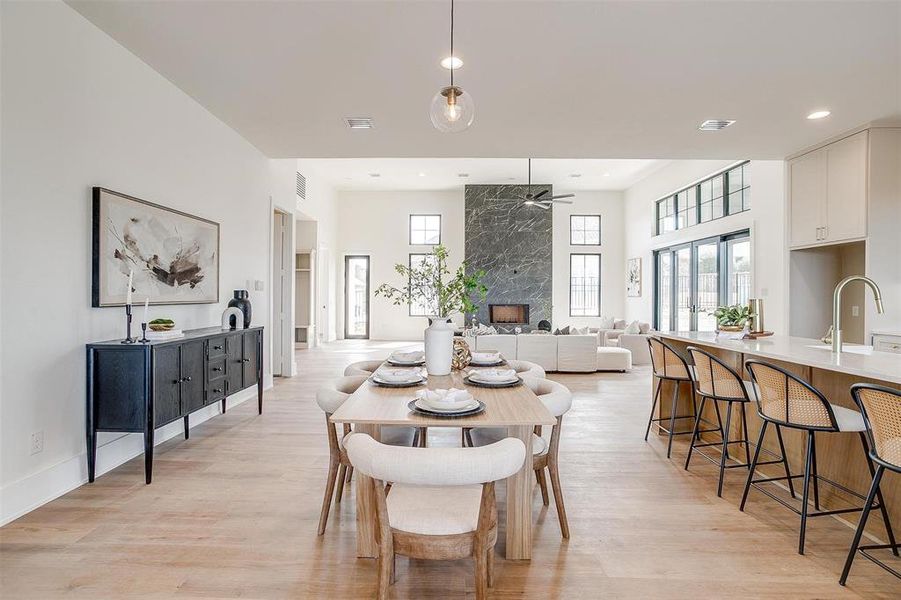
<point x="241" y="301"/>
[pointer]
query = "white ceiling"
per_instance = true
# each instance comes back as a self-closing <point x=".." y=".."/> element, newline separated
<point x="444" y="173"/>
<point x="553" y="79"/>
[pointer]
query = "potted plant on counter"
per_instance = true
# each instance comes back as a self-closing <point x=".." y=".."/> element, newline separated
<point x="432" y="284"/>
<point x="732" y="318"/>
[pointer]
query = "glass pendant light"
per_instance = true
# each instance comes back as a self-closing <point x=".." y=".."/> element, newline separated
<point x="452" y="109"/>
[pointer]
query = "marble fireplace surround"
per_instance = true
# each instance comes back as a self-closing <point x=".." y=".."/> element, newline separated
<point x="513" y="244"/>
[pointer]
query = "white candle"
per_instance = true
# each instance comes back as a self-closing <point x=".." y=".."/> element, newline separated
<point x="128" y="292"/>
<point x="146" y="306"/>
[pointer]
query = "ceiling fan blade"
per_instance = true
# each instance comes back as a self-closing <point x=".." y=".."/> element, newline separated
<point x="562" y="196"/>
<point x="520" y="199"/>
<point x="540" y="194"/>
<point x="541" y="205"/>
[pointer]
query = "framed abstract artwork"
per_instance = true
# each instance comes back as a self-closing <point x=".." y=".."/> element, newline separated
<point x="633" y="278"/>
<point x="173" y="256"/>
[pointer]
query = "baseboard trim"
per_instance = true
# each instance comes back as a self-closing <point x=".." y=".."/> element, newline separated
<point x="113" y="449"/>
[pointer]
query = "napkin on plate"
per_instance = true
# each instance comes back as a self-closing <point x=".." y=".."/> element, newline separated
<point x="494" y="375"/>
<point x="445" y="399"/>
<point x="486" y="357"/>
<point x="413" y="356"/>
<point x="398" y="375"/>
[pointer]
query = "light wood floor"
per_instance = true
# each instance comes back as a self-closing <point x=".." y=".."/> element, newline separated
<point x="233" y="512"/>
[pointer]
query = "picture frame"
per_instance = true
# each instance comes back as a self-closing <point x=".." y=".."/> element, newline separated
<point x="173" y="255"/>
<point x="633" y="278"/>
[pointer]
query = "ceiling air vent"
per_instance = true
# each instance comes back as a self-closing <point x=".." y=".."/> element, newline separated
<point x="301" y="186"/>
<point x="715" y="124"/>
<point x="359" y="122"/>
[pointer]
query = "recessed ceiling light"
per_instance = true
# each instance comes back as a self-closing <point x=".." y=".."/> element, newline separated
<point x="375" y="174"/>
<point x="359" y="122"/>
<point x="575" y="175"/>
<point x="606" y="174"/>
<point x="511" y="178"/>
<point x="451" y="62"/>
<point x="818" y="114"/>
<point x="715" y="124"/>
<point x="462" y="174"/>
<point x="422" y="174"/>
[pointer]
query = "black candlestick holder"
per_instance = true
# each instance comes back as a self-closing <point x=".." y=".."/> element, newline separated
<point x="143" y="339"/>
<point x="128" y="339"/>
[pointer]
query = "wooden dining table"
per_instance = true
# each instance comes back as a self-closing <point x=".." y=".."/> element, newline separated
<point x="517" y="409"/>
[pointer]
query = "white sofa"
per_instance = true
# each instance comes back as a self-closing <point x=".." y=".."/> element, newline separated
<point x="637" y="344"/>
<point x="565" y="353"/>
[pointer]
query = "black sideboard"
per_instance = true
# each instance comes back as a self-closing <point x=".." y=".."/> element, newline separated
<point x="140" y="387"/>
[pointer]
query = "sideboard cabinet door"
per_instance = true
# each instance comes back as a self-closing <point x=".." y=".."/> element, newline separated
<point x="166" y="384"/>
<point x="192" y="374"/>
<point x="234" y="368"/>
<point x="251" y="357"/>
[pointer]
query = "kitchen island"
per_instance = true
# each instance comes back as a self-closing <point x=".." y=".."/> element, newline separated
<point x="839" y="456"/>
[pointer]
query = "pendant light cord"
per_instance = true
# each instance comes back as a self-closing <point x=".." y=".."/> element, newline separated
<point x="452" y="44"/>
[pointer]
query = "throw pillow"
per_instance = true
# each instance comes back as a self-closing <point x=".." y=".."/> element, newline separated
<point x="606" y="322"/>
<point x="579" y="331"/>
<point x="619" y="324"/>
<point x="632" y="328"/>
<point x="565" y="331"/>
<point x="644" y="327"/>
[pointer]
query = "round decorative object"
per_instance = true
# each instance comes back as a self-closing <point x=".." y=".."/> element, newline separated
<point x="462" y="354"/>
<point x="241" y="301"/>
<point x="544" y="325"/>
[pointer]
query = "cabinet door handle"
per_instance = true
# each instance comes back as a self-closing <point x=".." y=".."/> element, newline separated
<point x="245" y="360"/>
<point x="217" y="368"/>
<point x="217" y="347"/>
<point x="217" y="391"/>
<point x="185" y="379"/>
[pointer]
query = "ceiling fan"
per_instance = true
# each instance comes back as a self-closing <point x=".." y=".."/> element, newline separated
<point x="541" y="199"/>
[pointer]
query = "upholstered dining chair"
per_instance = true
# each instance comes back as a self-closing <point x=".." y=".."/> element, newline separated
<point x="441" y="504"/>
<point x="363" y="367"/>
<point x="330" y="397"/>
<point x="545" y="452"/>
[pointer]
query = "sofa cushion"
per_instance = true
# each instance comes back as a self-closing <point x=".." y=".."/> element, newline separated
<point x="613" y="359"/>
<point x="644" y="327"/>
<point x="577" y="353"/>
<point x="619" y="324"/>
<point x="539" y="349"/>
<point x="606" y="323"/>
<point x="505" y="344"/>
<point x="632" y="328"/>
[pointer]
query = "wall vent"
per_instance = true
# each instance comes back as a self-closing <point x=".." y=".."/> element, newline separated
<point x="301" y="186"/>
<point x="715" y="124"/>
<point x="359" y="122"/>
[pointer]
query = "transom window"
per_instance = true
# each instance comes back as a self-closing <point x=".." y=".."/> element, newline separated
<point x="724" y="194"/>
<point x="584" y="285"/>
<point x="425" y="303"/>
<point x="585" y="230"/>
<point x="425" y="230"/>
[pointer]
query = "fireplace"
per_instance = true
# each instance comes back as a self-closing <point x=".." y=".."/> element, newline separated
<point x="508" y="314"/>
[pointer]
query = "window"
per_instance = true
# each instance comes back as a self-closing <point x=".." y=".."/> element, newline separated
<point x="426" y="304"/>
<point x="585" y="230"/>
<point x="584" y="285"/>
<point x="723" y="194"/>
<point x="425" y="230"/>
<point x="692" y="279"/>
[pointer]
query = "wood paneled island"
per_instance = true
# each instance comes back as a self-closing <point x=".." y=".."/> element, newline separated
<point x="839" y="456"/>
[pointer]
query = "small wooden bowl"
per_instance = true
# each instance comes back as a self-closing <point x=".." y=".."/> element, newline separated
<point x="161" y="326"/>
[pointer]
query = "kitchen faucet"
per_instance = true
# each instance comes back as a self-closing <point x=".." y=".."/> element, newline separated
<point x="837" y="307"/>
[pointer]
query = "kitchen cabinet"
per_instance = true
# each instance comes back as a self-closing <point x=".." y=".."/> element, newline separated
<point x="828" y="193"/>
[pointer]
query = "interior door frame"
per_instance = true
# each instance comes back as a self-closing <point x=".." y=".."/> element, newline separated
<point x="347" y="259"/>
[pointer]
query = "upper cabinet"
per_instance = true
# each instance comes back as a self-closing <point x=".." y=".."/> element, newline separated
<point x="828" y="193"/>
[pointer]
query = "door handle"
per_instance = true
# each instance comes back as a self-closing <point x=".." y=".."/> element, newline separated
<point x="184" y="379"/>
<point x="217" y="368"/>
<point x="247" y="360"/>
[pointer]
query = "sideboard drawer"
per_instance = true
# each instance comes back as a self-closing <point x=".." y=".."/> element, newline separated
<point x="884" y="342"/>
<point x="216" y="368"/>
<point x="216" y="347"/>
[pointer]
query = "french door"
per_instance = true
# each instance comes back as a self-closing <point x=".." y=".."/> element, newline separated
<point x="692" y="279"/>
<point x="356" y="297"/>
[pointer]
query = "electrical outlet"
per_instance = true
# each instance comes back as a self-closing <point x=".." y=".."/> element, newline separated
<point x="855" y="311"/>
<point x="37" y="442"/>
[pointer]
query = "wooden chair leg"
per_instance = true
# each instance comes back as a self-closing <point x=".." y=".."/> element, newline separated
<point x="481" y="557"/>
<point x="558" y="499"/>
<point x="327" y="497"/>
<point x="350" y="474"/>
<point x="393" y="569"/>
<point x="469" y="441"/>
<point x="342" y="471"/>
<point x="491" y="567"/>
<point x="542" y="483"/>
<point x="384" y="574"/>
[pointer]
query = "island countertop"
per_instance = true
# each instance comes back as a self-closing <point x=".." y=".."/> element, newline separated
<point x="883" y="366"/>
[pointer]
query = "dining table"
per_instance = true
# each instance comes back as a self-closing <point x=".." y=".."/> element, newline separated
<point x="516" y="408"/>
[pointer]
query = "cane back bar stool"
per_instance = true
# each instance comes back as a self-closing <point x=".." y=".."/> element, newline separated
<point x="715" y="380"/>
<point x="669" y="365"/>
<point x="785" y="400"/>
<point x="881" y="410"/>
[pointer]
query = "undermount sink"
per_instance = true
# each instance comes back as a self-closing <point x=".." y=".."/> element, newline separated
<point x="846" y="348"/>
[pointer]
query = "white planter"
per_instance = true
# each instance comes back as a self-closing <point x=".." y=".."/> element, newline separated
<point x="439" y="346"/>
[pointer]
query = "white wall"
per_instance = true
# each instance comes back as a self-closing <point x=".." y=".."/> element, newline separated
<point x="78" y="111"/>
<point x="613" y="290"/>
<point x="377" y="224"/>
<point x="766" y="221"/>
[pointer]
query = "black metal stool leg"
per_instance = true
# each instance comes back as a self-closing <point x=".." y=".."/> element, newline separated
<point x="653" y="406"/>
<point x="805" y="492"/>
<point x="719" y="424"/>
<point x="744" y="495"/>
<point x="791" y="486"/>
<point x="861" y="525"/>
<point x="694" y="431"/>
<point x="816" y="478"/>
<point x="882" y="508"/>
<point x="672" y="418"/>
<point x="747" y="435"/>
<point x="725" y="455"/>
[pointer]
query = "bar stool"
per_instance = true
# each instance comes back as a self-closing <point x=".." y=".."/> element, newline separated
<point x="715" y="380"/>
<point x="881" y="410"/>
<point x="669" y="365"/>
<point x="785" y="400"/>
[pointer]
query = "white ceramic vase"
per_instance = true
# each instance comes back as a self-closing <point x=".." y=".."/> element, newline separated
<point x="439" y="346"/>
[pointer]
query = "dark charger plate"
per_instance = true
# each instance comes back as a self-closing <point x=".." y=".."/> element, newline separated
<point x="483" y="384"/>
<point x="398" y="384"/>
<point x="472" y="411"/>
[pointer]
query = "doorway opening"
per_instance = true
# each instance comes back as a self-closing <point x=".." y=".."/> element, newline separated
<point x="356" y="297"/>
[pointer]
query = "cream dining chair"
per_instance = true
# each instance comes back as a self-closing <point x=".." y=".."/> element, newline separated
<point x="440" y="504"/>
